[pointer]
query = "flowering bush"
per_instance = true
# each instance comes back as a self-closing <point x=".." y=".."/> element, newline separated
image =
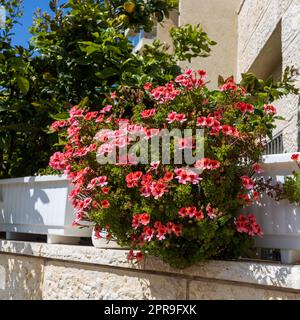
<point x="185" y="212"/>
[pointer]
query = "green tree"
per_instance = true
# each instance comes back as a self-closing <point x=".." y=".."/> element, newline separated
<point x="79" y="54"/>
<point x="83" y="55"/>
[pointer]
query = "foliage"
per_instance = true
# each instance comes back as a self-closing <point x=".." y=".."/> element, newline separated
<point x="78" y="54"/>
<point x="170" y="210"/>
<point x="291" y="188"/>
<point x="190" y="41"/>
<point x="24" y="146"/>
<point x="266" y="91"/>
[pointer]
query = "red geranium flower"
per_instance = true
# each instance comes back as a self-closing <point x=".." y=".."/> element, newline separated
<point x="295" y="156"/>
<point x="105" y="204"/>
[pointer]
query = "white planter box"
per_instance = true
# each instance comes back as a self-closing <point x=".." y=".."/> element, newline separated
<point x="102" y="243"/>
<point x="280" y="221"/>
<point x="39" y="205"/>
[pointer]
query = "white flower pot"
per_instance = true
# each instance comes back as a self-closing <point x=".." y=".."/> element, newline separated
<point x="102" y="242"/>
<point x="280" y="221"/>
<point x="39" y="205"/>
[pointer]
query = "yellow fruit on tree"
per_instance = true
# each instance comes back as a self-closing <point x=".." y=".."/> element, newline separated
<point x="129" y="6"/>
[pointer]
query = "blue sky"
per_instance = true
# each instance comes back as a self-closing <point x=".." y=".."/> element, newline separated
<point x="22" y="35"/>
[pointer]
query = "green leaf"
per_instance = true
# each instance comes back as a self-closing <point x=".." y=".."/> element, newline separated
<point x="106" y="73"/>
<point x="60" y="116"/>
<point x="259" y="112"/>
<point x="23" y="84"/>
<point x="221" y="80"/>
<point x="84" y="102"/>
<point x="35" y="104"/>
<point x="89" y="47"/>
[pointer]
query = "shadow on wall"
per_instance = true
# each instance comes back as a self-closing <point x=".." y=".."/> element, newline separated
<point x="20" y="204"/>
<point x="20" y="277"/>
<point x="266" y="274"/>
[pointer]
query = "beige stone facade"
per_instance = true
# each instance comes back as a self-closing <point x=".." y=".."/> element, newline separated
<point x="64" y="272"/>
<point x="220" y="20"/>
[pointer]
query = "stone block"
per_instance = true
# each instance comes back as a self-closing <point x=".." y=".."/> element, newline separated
<point x="20" y="278"/>
<point x="71" y="281"/>
<point x="207" y="290"/>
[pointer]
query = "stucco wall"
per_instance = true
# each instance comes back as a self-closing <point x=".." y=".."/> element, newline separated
<point x="257" y="21"/>
<point x="219" y="20"/>
<point x="43" y="271"/>
<point x="163" y="28"/>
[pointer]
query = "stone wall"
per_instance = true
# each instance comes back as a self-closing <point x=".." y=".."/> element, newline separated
<point x="258" y="22"/>
<point x="43" y="271"/>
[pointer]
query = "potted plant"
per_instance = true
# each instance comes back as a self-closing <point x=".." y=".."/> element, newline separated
<point x="182" y="212"/>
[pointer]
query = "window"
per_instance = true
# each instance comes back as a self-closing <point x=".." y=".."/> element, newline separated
<point x="269" y="63"/>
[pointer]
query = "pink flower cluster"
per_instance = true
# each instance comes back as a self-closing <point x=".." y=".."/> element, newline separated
<point x="174" y="116"/>
<point x="216" y="127"/>
<point x="89" y="191"/>
<point x="158" y="231"/>
<point x="207" y="164"/>
<point x="185" y="143"/>
<point x="147" y="185"/>
<point x="148" y="113"/>
<point x="106" y="109"/>
<point x="97" y="182"/>
<point x="245" y="107"/>
<point x="248" y="199"/>
<point x="208" y="122"/>
<point x="140" y="219"/>
<point x="139" y="256"/>
<point x="186" y="175"/>
<point x="90" y="115"/>
<point x="116" y="139"/>
<point x="247" y="182"/>
<point x="191" y="212"/>
<point x="247" y="224"/>
<point x="58" y="161"/>
<point x="148" y="86"/>
<point x="270" y="109"/>
<point x="190" y="79"/>
<point x="257" y="168"/>
<point x="132" y="179"/>
<point x="230" y="85"/>
<point x="165" y="93"/>
<point x="57" y="125"/>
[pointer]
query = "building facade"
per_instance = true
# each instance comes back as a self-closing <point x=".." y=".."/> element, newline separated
<point x="268" y="42"/>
